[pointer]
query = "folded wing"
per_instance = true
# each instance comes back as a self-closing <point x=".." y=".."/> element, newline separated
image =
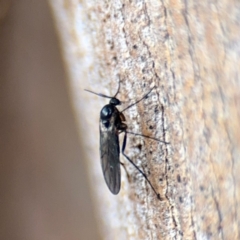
<point x="109" y="150"/>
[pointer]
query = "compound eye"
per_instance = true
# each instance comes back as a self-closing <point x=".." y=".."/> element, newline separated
<point x="106" y="112"/>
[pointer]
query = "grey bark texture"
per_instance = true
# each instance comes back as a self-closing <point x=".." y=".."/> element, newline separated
<point x="189" y="50"/>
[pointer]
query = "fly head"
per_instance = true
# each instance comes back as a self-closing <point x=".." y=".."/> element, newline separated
<point x="114" y="101"/>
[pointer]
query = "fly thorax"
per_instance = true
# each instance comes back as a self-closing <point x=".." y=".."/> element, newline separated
<point x="106" y="115"/>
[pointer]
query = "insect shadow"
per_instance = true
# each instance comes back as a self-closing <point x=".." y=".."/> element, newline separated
<point x="112" y="123"/>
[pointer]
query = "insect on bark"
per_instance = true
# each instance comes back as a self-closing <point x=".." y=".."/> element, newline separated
<point x="112" y="123"/>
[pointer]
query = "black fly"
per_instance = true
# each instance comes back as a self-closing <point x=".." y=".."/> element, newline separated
<point x="111" y="125"/>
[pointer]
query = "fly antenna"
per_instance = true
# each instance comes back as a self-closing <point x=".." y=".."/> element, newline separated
<point x="99" y="94"/>
<point x="118" y="89"/>
<point x="103" y="95"/>
<point x="138" y="100"/>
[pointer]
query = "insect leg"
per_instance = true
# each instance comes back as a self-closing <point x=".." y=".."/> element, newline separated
<point x="125" y="171"/>
<point x="143" y="174"/>
<point x="138" y="100"/>
<point x="156" y="139"/>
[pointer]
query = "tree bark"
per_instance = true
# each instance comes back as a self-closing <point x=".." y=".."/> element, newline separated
<point x="189" y="50"/>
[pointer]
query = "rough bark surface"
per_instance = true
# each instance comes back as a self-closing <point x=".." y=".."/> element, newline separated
<point x="189" y="50"/>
